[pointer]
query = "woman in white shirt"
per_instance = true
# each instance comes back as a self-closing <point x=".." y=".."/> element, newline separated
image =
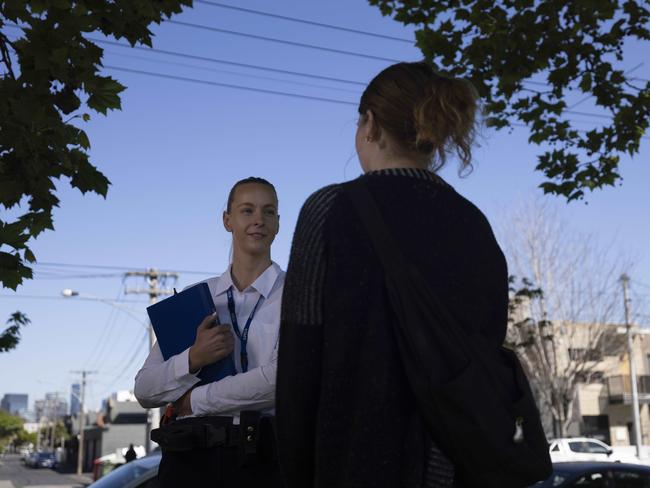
<point x="213" y="443"/>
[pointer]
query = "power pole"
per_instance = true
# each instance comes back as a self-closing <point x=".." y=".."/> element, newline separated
<point x="155" y="279"/>
<point x="82" y="418"/>
<point x="625" y="281"/>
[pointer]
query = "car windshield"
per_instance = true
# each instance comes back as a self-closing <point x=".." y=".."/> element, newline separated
<point x="127" y="472"/>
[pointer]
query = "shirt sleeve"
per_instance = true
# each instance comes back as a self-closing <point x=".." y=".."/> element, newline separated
<point x="301" y="342"/>
<point x="160" y="382"/>
<point x="252" y="390"/>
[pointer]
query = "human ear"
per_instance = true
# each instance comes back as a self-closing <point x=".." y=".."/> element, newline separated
<point x="226" y="221"/>
<point x="371" y="128"/>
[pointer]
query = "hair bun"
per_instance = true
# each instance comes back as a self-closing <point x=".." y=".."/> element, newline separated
<point x="425" y="113"/>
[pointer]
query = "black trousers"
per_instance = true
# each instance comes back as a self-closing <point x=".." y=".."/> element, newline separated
<point x="220" y="467"/>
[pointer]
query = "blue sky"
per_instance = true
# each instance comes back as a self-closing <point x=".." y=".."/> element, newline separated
<point x="176" y="148"/>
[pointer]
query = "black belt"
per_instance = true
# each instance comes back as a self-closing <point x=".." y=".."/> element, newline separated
<point x="186" y="436"/>
<point x="210" y="432"/>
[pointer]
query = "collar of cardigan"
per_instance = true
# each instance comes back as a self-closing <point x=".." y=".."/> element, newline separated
<point x="420" y="173"/>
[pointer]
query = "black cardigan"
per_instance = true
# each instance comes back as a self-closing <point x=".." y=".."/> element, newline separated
<point x="345" y="415"/>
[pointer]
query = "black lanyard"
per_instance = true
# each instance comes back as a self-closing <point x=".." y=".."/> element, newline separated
<point x="243" y="335"/>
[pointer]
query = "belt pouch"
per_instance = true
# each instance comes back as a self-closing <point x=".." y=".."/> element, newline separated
<point x="249" y="431"/>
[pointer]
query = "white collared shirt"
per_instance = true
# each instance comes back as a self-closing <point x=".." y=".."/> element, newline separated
<point x="160" y="382"/>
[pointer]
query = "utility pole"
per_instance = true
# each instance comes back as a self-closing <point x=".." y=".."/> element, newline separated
<point x="82" y="419"/>
<point x="625" y="281"/>
<point x="155" y="279"/>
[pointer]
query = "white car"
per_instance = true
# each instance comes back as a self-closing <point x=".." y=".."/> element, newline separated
<point x="586" y="449"/>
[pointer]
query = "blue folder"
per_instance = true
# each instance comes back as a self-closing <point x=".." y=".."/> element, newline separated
<point x="175" y="320"/>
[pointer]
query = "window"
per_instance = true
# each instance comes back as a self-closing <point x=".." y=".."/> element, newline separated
<point x="556" y="448"/>
<point x="588" y="447"/>
<point x="591" y="480"/>
<point x="631" y="479"/>
<point x="583" y="354"/>
<point x="596" y="427"/>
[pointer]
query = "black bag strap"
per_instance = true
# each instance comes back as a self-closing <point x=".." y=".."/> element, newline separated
<point x="400" y="270"/>
<point x="392" y="259"/>
<point x="383" y="241"/>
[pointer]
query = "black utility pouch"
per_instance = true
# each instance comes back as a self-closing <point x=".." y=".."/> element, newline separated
<point x="249" y="437"/>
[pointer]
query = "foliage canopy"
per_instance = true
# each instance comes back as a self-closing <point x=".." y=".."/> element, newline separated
<point x="525" y="57"/>
<point x="50" y="79"/>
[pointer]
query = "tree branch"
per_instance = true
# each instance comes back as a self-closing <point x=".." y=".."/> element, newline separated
<point x="6" y="58"/>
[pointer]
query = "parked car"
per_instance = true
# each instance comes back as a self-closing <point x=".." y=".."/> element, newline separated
<point x="141" y="473"/>
<point x="41" y="460"/>
<point x="597" y="475"/>
<point x="25" y="452"/>
<point x="587" y="449"/>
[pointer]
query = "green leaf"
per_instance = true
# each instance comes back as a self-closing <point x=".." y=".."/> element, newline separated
<point x="67" y="101"/>
<point x="9" y="339"/>
<point x="83" y="140"/>
<point x="104" y="93"/>
<point x="28" y="255"/>
<point x="12" y="270"/>
<point x="88" y="178"/>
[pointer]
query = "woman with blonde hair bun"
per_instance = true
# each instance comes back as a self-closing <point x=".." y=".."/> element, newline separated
<point x="346" y="416"/>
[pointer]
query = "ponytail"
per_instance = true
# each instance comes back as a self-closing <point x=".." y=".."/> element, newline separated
<point x="445" y="122"/>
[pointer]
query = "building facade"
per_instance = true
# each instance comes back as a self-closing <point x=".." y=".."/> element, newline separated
<point x="594" y="357"/>
<point x="604" y="407"/>
<point x="121" y="422"/>
<point x="52" y="407"/>
<point x="14" y="403"/>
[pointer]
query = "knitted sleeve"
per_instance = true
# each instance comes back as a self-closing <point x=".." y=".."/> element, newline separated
<point x="299" y="360"/>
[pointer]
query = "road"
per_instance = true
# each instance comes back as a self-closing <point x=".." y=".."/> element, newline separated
<point x="14" y="475"/>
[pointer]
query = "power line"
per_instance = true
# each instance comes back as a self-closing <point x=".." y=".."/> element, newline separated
<point x="516" y="124"/>
<point x="228" y="85"/>
<point x="235" y="73"/>
<point x="585" y="114"/>
<point x="69" y="276"/>
<point x="108" y="331"/>
<point x="228" y="62"/>
<point x="48" y="297"/>
<point x="283" y="41"/>
<point x="202" y="58"/>
<point x="129" y="362"/>
<point x="208" y="59"/>
<point x="117" y="268"/>
<point x="304" y="21"/>
<point x="629" y="71"/>
<point x="308" y="75"/>
<point x="272" y="92"/>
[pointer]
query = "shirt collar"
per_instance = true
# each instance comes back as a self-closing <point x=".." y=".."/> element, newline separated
<point x="263" y="284"/>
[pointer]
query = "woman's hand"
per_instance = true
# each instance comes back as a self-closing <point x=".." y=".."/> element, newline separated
<point x="213" y="343"/>
<point x="183" y="406"/>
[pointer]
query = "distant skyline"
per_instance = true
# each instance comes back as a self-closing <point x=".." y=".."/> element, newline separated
<point x="176" y="148"/>
<point x="14" y="403"/>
